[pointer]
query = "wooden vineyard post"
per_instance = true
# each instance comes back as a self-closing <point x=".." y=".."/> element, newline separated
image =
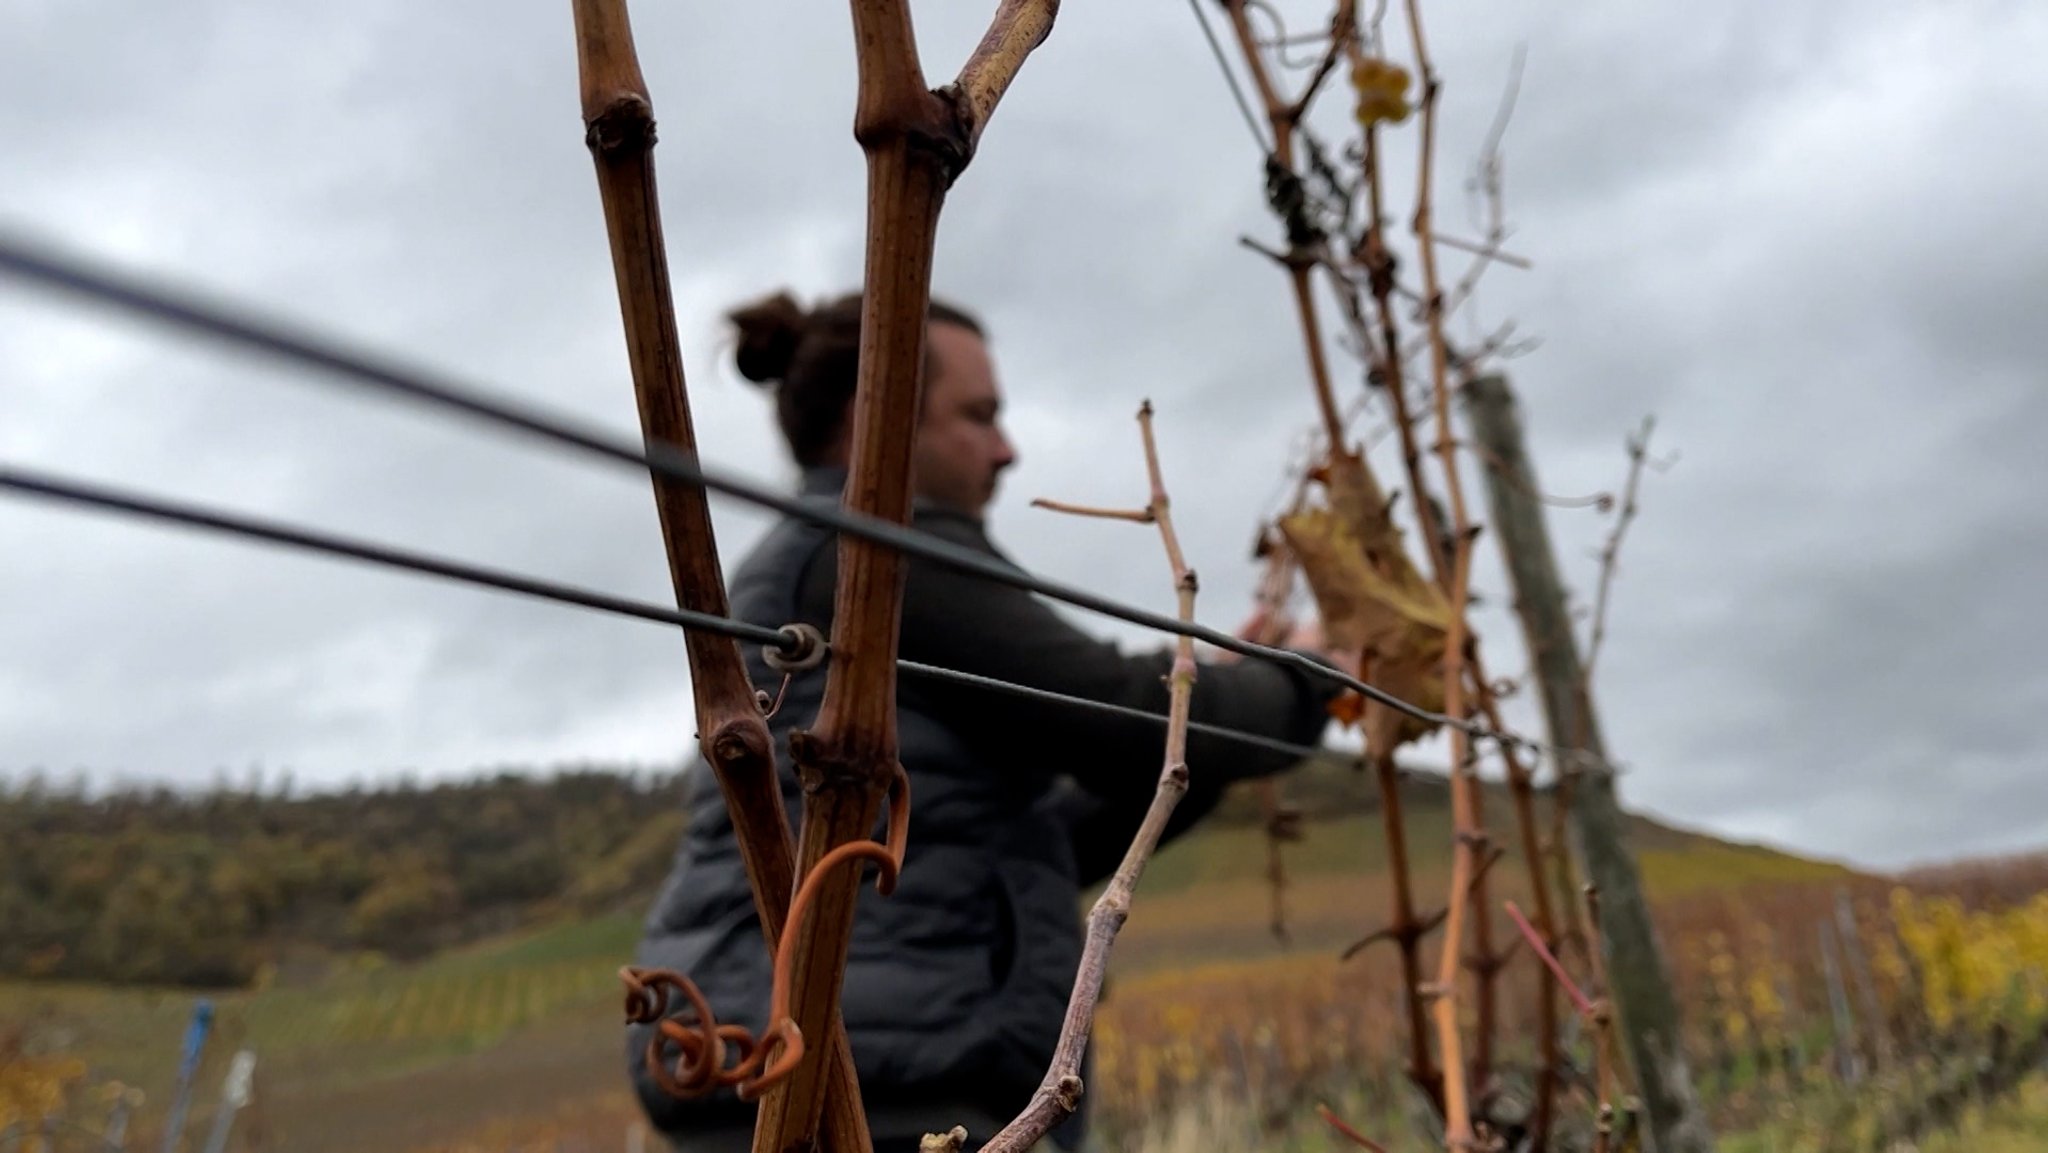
<point x="1641" y="983"/>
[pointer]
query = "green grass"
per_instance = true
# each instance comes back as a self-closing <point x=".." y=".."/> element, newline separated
<point x="607" y="939"/>
<point x="360" y="1024"/>
<point x="2016" y="1122"/>
<point x="1712" y="865"/>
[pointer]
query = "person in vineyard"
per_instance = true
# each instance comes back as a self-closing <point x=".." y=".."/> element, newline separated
<point x="957" y="982"/>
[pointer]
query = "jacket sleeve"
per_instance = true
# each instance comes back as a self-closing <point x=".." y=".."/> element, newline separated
<point x="1101" y="830"/>
<point x="962" y="621"/>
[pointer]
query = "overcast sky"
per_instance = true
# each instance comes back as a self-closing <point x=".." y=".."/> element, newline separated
<point x="1808" y="238"/>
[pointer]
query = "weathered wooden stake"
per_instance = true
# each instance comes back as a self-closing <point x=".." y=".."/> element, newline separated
<point x="1640" y="979"/>
<point x="1876" y="1037"/>
<point x="1848" y="1057"/>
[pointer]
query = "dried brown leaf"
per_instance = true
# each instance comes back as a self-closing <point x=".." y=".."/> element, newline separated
<point x="1372" y="599"/>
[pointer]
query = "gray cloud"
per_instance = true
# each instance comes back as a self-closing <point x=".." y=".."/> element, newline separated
<point x="1806" y="240"/>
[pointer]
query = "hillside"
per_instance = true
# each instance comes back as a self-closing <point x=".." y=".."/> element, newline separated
<point x="1210" y="897"/>
<point x="361" y="1050"/>
<point x="233" y="888"/>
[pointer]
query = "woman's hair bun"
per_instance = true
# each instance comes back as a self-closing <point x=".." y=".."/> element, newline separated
<point x="770" y="329"/>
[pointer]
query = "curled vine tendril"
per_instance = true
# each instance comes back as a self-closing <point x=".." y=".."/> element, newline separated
<point x="687" y="1055"/>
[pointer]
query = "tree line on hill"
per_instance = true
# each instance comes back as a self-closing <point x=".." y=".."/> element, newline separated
<point x="234" y="885"/>
<point x="213" y="889"/>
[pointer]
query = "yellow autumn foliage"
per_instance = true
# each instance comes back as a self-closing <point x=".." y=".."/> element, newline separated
<point x="1382" y="88"/>
<point x="32" y="1087"/>
<point x="1723" y="974"/>
<point x="1762" y="977"/>
<point x="1976" y="966"/>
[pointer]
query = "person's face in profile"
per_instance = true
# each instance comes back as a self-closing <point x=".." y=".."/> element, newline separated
<point x="960" y="449"/>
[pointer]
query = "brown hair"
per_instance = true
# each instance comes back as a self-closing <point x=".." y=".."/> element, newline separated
<point x="810" y="357"/>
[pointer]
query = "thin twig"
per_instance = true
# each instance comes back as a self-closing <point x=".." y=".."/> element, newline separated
<point x="1638" y="458"/>
<point x="1340" y="31"/>
<point x="1486" y="250"/>
<point x="1059" y="1093"/>
<point x="1522" y="790"/>
<point x="1136" y="515"/>
<point x="1490" y="184"/>
<point x="1396" y="933"/>
<point x="1489" y="152"/>
<point x="1482" y="961"/>
<point x="1284" y="186"/>
<point x="1406" y="930"/>
<point x="1535" y="940"/>
<point x="1341" y="1126"/>
<point x="1469" y="835"/>
<point x="1602" y="500"/>
<point x="1606" y="1062"/>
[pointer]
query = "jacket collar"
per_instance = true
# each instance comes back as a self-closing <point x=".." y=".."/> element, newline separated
<point x="830" y="480"/>
<point x="822" y="480"/>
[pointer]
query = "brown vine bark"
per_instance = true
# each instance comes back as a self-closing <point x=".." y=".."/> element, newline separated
<point x="1470" y="836"/>
<point x="1376" y="256"/>
<point x="1522" y="788"/>
<point x="1285" y="118"/>
<point x="1405" y="929"/>
<point x="619" y="127"/>
<point x="916" y="141"/>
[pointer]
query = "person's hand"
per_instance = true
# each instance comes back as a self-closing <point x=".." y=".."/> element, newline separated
<point x="1257" y="628"/>
<point x="1308" y="637"/>
<point x="1260" y="624"/>
<point x="1263" y="627"/>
